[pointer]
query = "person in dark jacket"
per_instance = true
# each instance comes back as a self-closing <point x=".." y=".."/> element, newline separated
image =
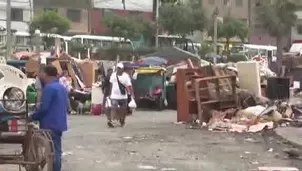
<point x="106" y="87"/>
<point x="52" y="113"/>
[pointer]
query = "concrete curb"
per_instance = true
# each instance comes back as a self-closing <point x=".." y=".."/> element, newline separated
<point x="293" y="143"/>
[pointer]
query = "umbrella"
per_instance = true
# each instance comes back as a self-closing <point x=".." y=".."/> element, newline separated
<point x="129" y="65"/>
<point x="154" y="61"/>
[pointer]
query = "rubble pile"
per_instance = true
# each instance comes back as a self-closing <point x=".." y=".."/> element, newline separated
<point x="232" y="97"/>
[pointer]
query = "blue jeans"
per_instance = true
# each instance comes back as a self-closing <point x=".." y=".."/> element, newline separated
<point x="57" y="141"/>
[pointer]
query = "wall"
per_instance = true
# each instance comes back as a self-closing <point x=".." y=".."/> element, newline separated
<point x="62" y="6"/>
<point x="27" y="13"/>
<point x="98" y="15"/>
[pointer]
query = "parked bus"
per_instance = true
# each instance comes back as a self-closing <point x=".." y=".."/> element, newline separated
<point x="252" y="50"/>
<point x="101" y="41"/>
<point x="182" y="43"/>
<point x="24" y="39"/>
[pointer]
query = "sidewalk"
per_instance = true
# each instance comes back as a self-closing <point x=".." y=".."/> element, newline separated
<point x="292" y="134"/>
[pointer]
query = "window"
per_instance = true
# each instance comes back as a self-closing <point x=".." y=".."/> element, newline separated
<point x="16" y="14"/>
<point x="239" y="3"/>
<point x="211" y="2"/>
<point x="51" y="9"/>
<point x="299" y="28"/>
<point x="74" y="15"/>
<point x="107" y="12"/>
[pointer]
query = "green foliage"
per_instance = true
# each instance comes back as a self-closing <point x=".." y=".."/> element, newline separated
<point x="232" y="27"/>
<point x="229" y="28"/>
<point x="125" y="27"/>
<point x="277" y="18"/>
<point x="205" y="48"/>
<point x="50" y="22"/>
<point x="182" y="19"/>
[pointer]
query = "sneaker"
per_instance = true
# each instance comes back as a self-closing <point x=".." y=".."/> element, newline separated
<point x="110" y="124"/>
<point x="122" y="122"/>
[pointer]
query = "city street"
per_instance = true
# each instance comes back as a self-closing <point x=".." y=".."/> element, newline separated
<point x="153" y="141"/>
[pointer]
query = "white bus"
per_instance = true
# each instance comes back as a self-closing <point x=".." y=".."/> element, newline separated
<point x="101" y="41"/>
<point x="175" y="40"/>
<point x="252" y="50"/>
<point x="24" y="39"/>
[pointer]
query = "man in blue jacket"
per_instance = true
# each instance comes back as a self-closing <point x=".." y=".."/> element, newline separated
<point x="52" y="113"/>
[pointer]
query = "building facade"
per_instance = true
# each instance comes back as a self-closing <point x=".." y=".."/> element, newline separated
<point x="77" y="11"/>
<point x="245" y="10"/>
<point x="115" y="7"/>
<point x="296" y="32"/>
<point x="21" y="14"/>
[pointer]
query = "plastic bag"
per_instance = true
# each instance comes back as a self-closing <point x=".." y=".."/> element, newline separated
<point x="108" y="102"/>
<point x="132" y="104"/>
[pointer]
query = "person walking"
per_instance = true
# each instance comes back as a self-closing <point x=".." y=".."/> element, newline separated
<point x="121" y="86"/>
<point x="66" y="82"/>
<point x="106" y="85"/>
<point x="52" y="113"/>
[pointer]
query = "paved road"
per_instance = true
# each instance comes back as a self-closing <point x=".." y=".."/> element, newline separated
<point x="152" y="141"/>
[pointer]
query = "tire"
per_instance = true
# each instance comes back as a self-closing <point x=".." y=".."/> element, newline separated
<point x="41" y="152"/>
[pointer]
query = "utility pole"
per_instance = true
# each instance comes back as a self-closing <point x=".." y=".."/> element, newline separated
<point x="90" y="3"/>
<point x="215" y="16"/>
<point x="157" y="24"/>
<point x="8" y="30"/>
<point x="124" y="5"/>
<point x="229" y="8"/>
<point x="250" y="18"/>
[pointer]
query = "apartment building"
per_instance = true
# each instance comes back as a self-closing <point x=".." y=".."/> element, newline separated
<point x="21" y="14"/>
<point x="77" y="11"/>
<point x="115" y="7"/>
<point x="245" y="10"/>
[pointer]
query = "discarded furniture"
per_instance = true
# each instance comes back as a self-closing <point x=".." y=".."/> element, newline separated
<point x="186" y="103"/>
<point x="211" y="93"/>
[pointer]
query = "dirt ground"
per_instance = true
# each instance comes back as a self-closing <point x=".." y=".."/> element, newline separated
<point x="153" y="141"/>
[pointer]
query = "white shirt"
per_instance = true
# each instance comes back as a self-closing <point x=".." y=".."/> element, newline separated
<point x="115" y="90"/>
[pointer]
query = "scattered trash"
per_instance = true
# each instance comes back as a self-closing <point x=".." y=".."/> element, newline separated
<point x="293" y="152"/>
<point x="146" y="167"/>
<point x="247" y="152"/>
<point x="277" y="169"/>
<point x="270" y="150"/>
<point x="255" y="162"/>
<point x="127" y="138"/>
<point x="251" y="140"/>
<point x="168" y="169"/>
<point x="67" y="153"/>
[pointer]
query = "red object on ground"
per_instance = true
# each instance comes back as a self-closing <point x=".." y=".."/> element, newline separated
<point x="157" y="91"/>
<point x="96" y="109"/>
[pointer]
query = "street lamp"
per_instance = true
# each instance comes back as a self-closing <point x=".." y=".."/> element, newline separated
<point x="37" y="41"/>
<point x="215" y="15"/>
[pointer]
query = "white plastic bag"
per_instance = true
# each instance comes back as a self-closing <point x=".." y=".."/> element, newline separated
<point x="132" y="104"/>
<point x="108" y="102"/>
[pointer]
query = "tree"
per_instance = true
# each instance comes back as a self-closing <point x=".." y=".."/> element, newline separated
<point x="124" y="27"/>
<point x="230" y="28"/>
<point x="50" y="22"/>
<point x="182" y="19"/>
<point x="278" y="18"/>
